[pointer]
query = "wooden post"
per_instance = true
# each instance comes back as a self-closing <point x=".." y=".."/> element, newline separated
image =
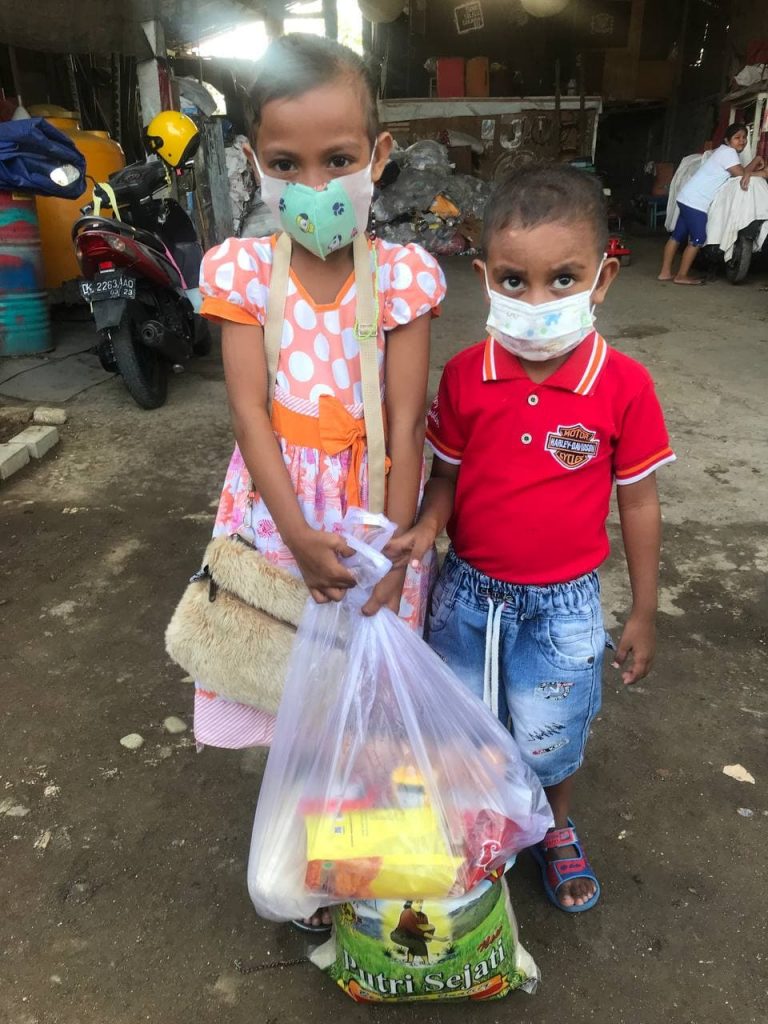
<point x="151" y="77"/>
<point x="116" y="119"/>
<point x="582" y="108"/>
<point x="214" y="165"/>
<point x="670" y="122"/>
<point x="558" y="118"/>
<point x="331" y="19"/>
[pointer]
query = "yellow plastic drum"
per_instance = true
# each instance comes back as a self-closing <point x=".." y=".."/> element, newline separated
<point x="103" y="156"/>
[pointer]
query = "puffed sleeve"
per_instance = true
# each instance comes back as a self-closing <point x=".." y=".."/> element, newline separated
<point x="234" y="280"/>
<point x="411" y="283"/>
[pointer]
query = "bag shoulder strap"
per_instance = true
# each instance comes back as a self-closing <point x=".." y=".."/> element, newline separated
<point x="366" y="333"/>
<point x="273" y="324"/>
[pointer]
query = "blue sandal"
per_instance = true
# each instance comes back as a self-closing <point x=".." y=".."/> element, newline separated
<point x="555" y="873"/>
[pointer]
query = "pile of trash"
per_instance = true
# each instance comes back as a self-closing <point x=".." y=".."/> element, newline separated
<point x="424" y="201"/>
<point x="242" y="180"/>
<point x="419" y="199"/>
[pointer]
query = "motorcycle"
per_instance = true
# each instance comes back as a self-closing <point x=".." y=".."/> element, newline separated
<point x="139" y="273"/>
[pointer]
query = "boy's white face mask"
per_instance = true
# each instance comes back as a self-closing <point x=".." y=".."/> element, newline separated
<point x="541" y="332"/>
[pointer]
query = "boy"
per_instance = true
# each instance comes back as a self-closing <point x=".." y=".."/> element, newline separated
<point x="529" y="430"/>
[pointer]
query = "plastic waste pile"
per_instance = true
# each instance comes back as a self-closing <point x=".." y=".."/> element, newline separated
<point x="427" y="203"/>
<point x="242" y="184"/>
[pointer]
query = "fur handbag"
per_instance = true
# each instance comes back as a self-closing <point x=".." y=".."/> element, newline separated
<point x="234" y="626"/>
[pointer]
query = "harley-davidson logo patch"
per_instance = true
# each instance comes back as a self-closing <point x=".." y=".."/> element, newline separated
<point x="572" y="446"/>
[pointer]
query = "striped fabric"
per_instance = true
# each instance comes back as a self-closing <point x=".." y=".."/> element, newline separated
<point x="633" y="474"/>
<point x="223" y="723"/>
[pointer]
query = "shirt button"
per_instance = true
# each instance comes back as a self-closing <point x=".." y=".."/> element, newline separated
<point x="533" y="399"/>
<point x="526" y="438"/>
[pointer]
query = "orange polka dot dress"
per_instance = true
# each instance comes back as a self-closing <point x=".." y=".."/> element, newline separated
<point x="319" y="356"/>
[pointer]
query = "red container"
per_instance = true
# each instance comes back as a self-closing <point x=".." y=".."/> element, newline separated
<point x="478" y="76"/>
<point x="450" y="76"/>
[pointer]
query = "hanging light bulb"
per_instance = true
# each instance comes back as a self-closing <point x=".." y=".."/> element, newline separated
<point x="544" y="8"/>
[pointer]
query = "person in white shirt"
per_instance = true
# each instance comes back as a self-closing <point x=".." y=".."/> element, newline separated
<point x="696" y="197"/>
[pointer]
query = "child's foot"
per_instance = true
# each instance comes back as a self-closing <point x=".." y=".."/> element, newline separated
<point x="569" y="882"/>
<point x="689" y="280"/>
<point x="320" y="921"/>
<point x="578" y="891"/>
<point x="664" y="277"/>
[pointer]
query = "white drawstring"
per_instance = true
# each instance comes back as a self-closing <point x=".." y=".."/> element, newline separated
<point x="492" y="644"/>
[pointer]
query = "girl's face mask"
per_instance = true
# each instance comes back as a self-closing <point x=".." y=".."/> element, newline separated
<point x="325" y="219"/>
<point x="541" y="332"/>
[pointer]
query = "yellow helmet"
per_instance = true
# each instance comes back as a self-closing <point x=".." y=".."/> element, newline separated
<point x="173" y="136"/>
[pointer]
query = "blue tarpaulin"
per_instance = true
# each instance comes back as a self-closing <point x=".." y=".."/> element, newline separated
<point x="36" y="157"/>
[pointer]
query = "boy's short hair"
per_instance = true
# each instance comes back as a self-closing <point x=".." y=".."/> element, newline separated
<point x="542" y="194"/>
<point x="294" y="64"/>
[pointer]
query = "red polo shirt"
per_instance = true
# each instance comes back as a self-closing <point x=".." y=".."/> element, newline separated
<point x="538" y="461"/>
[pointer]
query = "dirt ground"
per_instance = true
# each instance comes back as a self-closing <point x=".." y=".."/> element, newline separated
<point x="123" y="873"/>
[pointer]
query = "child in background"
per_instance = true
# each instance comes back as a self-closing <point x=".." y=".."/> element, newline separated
<point x="530" y="429"/>
<point x="316" y="123"/>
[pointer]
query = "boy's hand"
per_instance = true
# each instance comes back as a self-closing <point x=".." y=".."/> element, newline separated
<point x="638" y="644"/>
<point x="387" y="593"/>
<point x="410" y="547"/>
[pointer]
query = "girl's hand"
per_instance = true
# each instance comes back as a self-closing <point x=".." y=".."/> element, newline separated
<point x="317" y="554"/>
<point x="387" y="593"/>
<point x="410" y="547"/>
<point x="638" y="644"/>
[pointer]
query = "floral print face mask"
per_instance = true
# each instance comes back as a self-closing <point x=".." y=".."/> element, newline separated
<point x="541" y="332"/>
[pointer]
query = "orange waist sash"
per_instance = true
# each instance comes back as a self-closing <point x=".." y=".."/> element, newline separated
<point x="335" y="430"/>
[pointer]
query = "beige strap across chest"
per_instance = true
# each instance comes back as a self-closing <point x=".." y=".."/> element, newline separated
<point x="366" y="333"/>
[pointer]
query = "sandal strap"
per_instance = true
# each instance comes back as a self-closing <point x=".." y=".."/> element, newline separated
<point x="559" y="837"/>
<point x="561" y="871"/>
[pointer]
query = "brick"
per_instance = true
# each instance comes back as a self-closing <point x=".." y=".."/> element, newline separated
<point x="12" y="458"/>
<point x="38" y="440"/>
<point x="48" y="416"/>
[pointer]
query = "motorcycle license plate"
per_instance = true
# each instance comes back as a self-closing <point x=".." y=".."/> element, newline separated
<point x="110" y="284"/>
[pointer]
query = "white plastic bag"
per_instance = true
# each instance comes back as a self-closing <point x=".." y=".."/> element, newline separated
<point x="387" y="778"/>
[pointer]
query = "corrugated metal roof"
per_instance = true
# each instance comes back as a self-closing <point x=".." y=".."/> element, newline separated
<point x="104" y="26"/>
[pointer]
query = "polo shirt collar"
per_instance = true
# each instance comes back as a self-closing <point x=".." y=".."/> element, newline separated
<point x="579" y="373"/>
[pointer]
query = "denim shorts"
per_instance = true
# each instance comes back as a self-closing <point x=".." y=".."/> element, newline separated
<point x="534" y="654"/>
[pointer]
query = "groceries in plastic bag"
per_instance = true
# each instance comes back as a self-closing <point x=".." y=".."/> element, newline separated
<point x="387" y="778"/>
<point x="395" y="951"/>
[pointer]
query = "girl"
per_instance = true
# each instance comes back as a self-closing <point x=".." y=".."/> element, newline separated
<point x="317" y="144"/>
<point x="697" y="196"/>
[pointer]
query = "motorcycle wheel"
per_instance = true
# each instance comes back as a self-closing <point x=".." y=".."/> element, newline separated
<point x="144" y="373"/>
<point x="737" y="267"/>
<point x="106" y="356"/>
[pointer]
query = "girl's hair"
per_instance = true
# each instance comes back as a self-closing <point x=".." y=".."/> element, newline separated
<point x="734" y="129"/>
<point x="545" y="194"/>
<point x="407" y="905"/>
<point x="296" y="63"/>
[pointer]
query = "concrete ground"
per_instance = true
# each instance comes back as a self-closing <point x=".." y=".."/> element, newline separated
<point x="123" y="878"/>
